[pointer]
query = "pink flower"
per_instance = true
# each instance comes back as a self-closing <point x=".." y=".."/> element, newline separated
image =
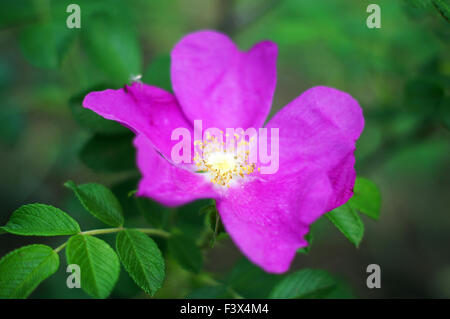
<point x="267" y="216"/>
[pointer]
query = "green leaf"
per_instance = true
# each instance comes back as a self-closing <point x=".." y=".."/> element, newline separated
<point x="309" y="238"/>
<point x="443" y="7"/>
<point x="99" y="264"/>
<point x="420" y="3"/>
<point x="113" y="46"/>
<point x="366" y="198"/>
<point x="342" y="290"/>
<point x="142" y="259"/>
<point x="91" y="120"/>
<point x="99" y="201"/>
<point x="158" y="73"/>
<point x="46" y="44"/>
<point x="251" y="281"/>
<point x="186" y="252"/>
<point x="346" y="219"/>
<point x="107" y="154"/>
<point x="41" y="220"/>
<point x="306" y="283"/>
<point x="23" y="269"/>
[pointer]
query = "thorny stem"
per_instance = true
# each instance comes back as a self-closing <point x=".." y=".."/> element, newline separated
<point x="149" y="231"/>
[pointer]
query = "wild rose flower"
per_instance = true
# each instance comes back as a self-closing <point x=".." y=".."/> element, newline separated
<point x="267" y="215"/>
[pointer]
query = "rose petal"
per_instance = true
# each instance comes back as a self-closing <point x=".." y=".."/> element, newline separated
<point x="224" y="87"/>
<point x="321" y="126"/>
<point x="269" y="219"/>
<point x="143" y="108"/>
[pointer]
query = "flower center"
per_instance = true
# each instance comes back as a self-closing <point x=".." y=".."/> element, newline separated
<point x="224" y="165"/>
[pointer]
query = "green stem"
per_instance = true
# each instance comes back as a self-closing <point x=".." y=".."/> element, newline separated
<point x="59" y="248"/>
<point x="149" y="231"/>
<point x="154" y="231"/>
<point x="102" y="231"/>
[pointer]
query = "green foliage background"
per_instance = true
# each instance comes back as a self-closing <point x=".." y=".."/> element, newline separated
<point x="400" y="74"/>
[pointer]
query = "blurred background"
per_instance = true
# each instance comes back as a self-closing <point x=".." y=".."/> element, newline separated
<point x="399" y="73"/>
